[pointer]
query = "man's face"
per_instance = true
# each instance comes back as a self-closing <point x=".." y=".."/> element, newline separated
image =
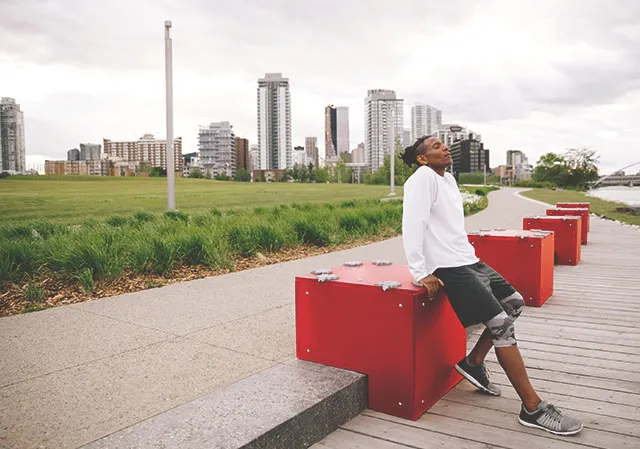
<point x="437" y="154"/>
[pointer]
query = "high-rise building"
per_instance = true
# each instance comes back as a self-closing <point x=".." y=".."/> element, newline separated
<point x="12" y="149"/>
<point x="90" y="152"/>
<point x="516" y="157"/>
<point x="336" y="131"/>
<point x="274" y="122"/>
<point x="469" y="156"/>
<point x="299" y="156"/>
<point x="254" y="157"/>
<point x="449" y="133"/>
<point x="357" y="155"/>
<point x="242" y="153"/>
<point x="519" y="165"/>
<point x="383" y="123"/>
<point x="73" y="155"/>
<point x="406" y="138"/>
<point x="311" y="148"/>
<point x="217" y="146"/>
<point x="424" y="120"/>
<point x="146" y="149"/>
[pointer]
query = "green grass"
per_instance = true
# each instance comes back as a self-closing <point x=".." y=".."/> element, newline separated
<point x="75" y="199"/>
<point x="603" y="208"/>
<point x="158" y="243"/>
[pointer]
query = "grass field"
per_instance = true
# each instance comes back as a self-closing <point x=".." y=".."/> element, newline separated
<point x="67" y="199"/>
<point x="606" y="209"/>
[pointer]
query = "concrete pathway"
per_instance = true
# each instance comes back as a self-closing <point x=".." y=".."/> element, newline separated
<point x="74" y="374"/>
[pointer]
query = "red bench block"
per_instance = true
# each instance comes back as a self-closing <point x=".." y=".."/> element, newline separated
<point x="567" y="234"/>
<point x="576" y="206"/>
<point x="583" y="213"/>
<point x="523" y="258"/>
<point x="407" y="345"/>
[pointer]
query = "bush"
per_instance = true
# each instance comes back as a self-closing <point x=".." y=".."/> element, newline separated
<point x="19" y="259"/>
<point x="143" y="216"/>
<point x="480" y="192"/>
<point x="312" y="232"/>
<point x="176" y="215"/>
<point x="117" y="221"/>
<point x="535" y="184"/>
<point x="163" y="257"/>
<point x="352" y="222"/>
<point x="34" y="292"/>
<point x="248" y="239"/>
<point x="86" y="280"/>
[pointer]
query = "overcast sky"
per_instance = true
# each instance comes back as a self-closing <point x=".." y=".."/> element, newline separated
<point x="539" y="75"/>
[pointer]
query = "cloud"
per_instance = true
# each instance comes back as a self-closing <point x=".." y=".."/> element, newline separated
<point x="528" y="74"/>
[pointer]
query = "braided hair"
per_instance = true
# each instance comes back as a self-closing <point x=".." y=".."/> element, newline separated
<point x="410" y="155"/>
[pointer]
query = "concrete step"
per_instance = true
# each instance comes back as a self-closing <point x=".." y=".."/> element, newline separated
<point x="290" y="405"/>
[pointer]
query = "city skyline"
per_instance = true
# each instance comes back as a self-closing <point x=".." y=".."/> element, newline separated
<point x="538" y="76"/>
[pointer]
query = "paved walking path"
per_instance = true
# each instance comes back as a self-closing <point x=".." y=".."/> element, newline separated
<point x="74" y="374"/>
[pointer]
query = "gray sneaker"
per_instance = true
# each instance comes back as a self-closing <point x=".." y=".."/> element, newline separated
<point x="549" y="418"/>
<point x="478" y="375"/>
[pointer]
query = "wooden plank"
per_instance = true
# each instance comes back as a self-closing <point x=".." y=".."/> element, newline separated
<point x="570" y="378"/>
<point x="344" y="439"/>
<point x="606" y="330"/>
<point x="585" y="319"/>
<point x="575" y="390"/>
<point x="591" y="363"/>
<point x="599" y="353"/>
<point x="614" y="350"/>
<point x="507" y="420"/>
<point x="563" y="401"/>
<point x="419" y="433"/>
<point x="560" y="309"/>
<point x="574" y="333"/>
<point x="573" y="368"/>
<point x="464" y="394"/>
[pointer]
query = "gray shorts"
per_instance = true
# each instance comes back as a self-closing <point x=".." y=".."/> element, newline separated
<point x="475" y="292"/>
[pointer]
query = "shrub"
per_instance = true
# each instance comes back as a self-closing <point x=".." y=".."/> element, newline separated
<point x="312" y="232"/>
<point x="34" y="292"/>
<point x="117" y="221"/>
<point x="143" y="216"/>
<point x="86" y="280"/>
<point x="352" y="222"/>
<point x="176" y="215"/>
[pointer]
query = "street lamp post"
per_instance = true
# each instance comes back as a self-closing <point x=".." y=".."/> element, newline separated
<point x="171" y="180"/>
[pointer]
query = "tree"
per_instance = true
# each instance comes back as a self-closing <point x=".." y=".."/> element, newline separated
<point x="340" y="172"/>
<point x="196" y="173"/>
<point x="243" y="175"/>
<point x="581" y="165"/>
<point x="320" y="175"/>
<point x="222" y="177"/>
<point x="158" y="172"/>
<point x="402" y="172"/>
<point x="576" y="167"/>
<point x="551" y="167"/>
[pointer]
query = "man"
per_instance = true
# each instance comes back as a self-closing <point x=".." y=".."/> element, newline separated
<point x="440" y="256"/>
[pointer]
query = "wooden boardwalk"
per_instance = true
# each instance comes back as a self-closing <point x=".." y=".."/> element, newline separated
<point x="582" y="351"/>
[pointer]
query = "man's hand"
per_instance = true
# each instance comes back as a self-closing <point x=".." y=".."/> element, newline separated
<point x="432" y="284"/>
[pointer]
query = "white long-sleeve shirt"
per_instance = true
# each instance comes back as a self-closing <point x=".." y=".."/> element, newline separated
<point x="433" y="231"/>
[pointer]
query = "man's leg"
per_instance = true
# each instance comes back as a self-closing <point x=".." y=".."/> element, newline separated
<point x="512" y="305"/>
<point x="534" y="412"/>
<point x="511" y="362"/>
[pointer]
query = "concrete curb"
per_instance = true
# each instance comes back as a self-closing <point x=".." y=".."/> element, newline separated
<point x="291" y="405"/>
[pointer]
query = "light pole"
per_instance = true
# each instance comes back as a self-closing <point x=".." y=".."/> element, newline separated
<point x="168" y="65"/>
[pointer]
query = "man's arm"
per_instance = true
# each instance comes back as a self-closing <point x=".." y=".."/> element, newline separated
<point x="418" y="199"/>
